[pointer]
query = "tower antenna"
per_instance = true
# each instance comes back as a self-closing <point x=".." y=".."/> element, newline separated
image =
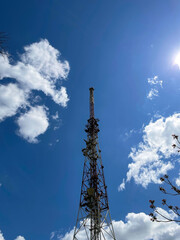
<point x="93" y="220"/>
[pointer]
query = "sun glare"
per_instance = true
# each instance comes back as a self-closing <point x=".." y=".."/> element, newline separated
<point x="177" y="60"/>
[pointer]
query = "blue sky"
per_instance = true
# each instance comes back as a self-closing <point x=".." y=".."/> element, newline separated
<point x="57" y="50"/>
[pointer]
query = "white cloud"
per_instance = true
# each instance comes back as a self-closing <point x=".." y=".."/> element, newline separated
<point x="55" y="116"/>
<point x="40" y="69"/>
<point x="44" y="58"/>
<point x="155" y="82"/>
<point x="61" y="97"/>
<point x="56" y="235"/>
<point x="170" y="214"/>
<point x="150" y="158"/>
<point x="11" y="99"/>
<point x="121" y="186"/>
<point x="178" y="181"/>
<point x="139" y="227"/>
<point x="20" y="238"/>
<point x="1" y="236"/>
<point x="33" y="123"/>
<point x="153" y="93"/>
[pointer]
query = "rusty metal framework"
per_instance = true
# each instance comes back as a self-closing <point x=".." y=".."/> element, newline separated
<point x="94" y="220"/>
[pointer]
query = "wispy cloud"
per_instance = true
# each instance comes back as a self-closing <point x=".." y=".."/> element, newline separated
<point x="150" y="157"/>
<point x="122" y="186"/>
<point x="153" y="93"/>
<point x="55" y="116"/>
<point x="39" y="68"/>
<point x="127" y="134"/>
<point x="56" y="235"/>
<point x="155" y="83"/>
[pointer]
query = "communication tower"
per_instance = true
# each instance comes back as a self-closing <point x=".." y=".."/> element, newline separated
<point x="93" y="220"/>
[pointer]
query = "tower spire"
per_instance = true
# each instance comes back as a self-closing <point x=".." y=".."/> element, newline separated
<point x="91" y="101"/>
<point x="94" y="220"/>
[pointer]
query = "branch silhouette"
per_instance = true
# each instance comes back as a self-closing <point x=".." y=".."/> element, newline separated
<point x="171" y="189"/>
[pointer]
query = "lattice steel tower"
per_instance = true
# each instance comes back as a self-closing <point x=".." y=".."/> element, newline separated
<point x="94" y="220"/>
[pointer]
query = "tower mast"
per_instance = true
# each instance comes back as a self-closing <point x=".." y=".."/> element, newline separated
<point x="94" y="220"/>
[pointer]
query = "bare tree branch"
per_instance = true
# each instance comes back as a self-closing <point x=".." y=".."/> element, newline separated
<point x="172" y="190"/>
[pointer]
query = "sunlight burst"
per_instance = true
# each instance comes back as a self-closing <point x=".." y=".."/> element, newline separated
<point x="177" y="60"/>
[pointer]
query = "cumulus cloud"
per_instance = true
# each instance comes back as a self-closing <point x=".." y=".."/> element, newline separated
<point x="39" y="68"/>
<point x="11" y="99"/>
<point x="33" y="123"/>
<point x="150" y="157"/>
<point x="155" y="82"/>
<point x="42" y="56"/>
<point x="139" y="227"/>
<point x="61" y="97"/>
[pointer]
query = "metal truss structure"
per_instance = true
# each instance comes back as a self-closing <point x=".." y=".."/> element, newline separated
<point x="94" y="220"/>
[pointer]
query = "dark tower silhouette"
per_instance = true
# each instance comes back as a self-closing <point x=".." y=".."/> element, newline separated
<point x="93" y="220"/>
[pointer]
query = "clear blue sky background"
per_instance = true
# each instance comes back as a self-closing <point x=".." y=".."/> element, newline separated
<point x="113" y="46"/>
